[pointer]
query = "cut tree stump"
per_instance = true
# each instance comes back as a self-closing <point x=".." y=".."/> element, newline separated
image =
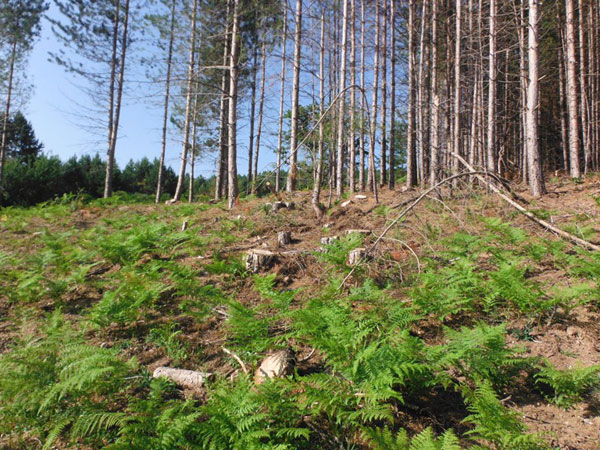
<point x="276" y="206"/>
<point x="356" y="255"/>
<point x="329" y="240"/>
<point x="363" y="232"/>
<point x="257" y="259"/>
<point x="276" y="365"/>
<point x="190" y="379"/>
<point x="284" y="238"/>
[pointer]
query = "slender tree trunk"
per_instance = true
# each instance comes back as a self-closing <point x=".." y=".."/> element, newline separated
<point x="372" y="179"/>
<point x="421" y="87"/>
<point x="291" y="181"/>
<point x="383" y="150"/>
<point x="411" y="158"/>
<point x="5" y="119"/>
<point x="281" y="98"/>
<point x="221" y="176"/>
<point x="111" y="102"/>
<point x="392" y="182"/>
<point x="435" y="105"/>
<point x="583" y="85"/>
<point x="233" y="96"/>
<point x="457" y="87"/>
<point x="252" y="115"/>
<point x="319" y="175"/>
<point x="352" y="131"/>
<point x="574" y="151"/>
<point x="261" y="104"/>
<point x="564" y="130"/>
<point x="188" y="107"/>
<point x="524" y="77"/>
<point x="536" y="180"/>
<point x="361" y="157"/>
<point x="193" y="148"/>
<point x="159" y="186"/>
<point x="342" y="107"/>
<point x="491" y="119"/>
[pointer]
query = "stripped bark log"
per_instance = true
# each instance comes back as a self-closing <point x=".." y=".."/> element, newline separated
<point x="190" y="379"/>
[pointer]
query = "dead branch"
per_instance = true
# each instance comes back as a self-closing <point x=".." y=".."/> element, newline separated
<point x="237" y="358"/>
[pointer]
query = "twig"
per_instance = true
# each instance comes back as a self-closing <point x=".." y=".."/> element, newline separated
<point x="409" y="248"/>
<point x="237" y="358"/>
<point x="309" y="356"/>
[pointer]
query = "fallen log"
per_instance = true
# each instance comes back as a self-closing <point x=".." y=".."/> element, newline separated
<point x="190" y="379"/>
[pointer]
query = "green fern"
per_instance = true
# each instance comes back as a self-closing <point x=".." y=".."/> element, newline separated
<point x="570" y="385"/>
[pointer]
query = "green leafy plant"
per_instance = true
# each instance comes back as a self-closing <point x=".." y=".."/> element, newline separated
<point x="570" y="385"/>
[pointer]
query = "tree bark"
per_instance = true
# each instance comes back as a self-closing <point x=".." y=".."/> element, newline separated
<point x="392" y="177"/>
<point x="492" y="79"/>
<point x="232" y="121"/>
<point x="291" y="181"/>
<point x="457" y="86"/>
<point x="536" y="181"/>
<point x="383" y="149"/>
<point x="342" y="107"/>
<point x="564" y="130"/>
<point x="281" y="98"/>
<point x="5" y="119"/>
<point x="361" y="156"/>
<point x="261" y="104"/>
<point x="572" y="100"/>
<point x="583" y="86"/>
<point x="411" y="159"/>
<point x="159" y="186"/>
<point x="435" y="104"/>
<point x="252" y="114"/>
<point x="352" y="131"/>
<point x="316" y="203"/>
<point x="372" y="179"/>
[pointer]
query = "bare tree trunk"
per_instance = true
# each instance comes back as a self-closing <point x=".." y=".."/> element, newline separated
<point x="232" y="121"/>
<point x="491" y="119"/>
<point x="342" y="107"/>
<point x="221" y="176"/>
<point x="411" y="159"/>
<point x="261" y="104"/>
<point x="352" y="131"/>
<point x="291" y="181"/>
<point x="193" y="148"/>
<point x="572" y="99"/>
<point x="361" y="164"/>
<point x="564" y="130"/>
<point x="111" y="101"/>
<point x="392" y="183"/>
<point x="282" y="81"/>
<point x="372" y="180"/>
<point x="252" y="115"/>
<point x="435" y="105"/>
<point x="523" y="85"/>
<point x="159" y="186"/>
<point x="383" y="150"/>
<point x="583" y="85"/>
<point x="188" y="106"/>
<point x="5" y="119"/>
<point x="457" y="86"/>
<point x="536" y="180"/>
<point x="316" y="203"/>
<point x="422" y="75"/>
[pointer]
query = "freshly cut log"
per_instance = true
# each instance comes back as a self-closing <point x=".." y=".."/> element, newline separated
<point x="276" y="365"/>
<point x="259" y="259"/>
<point x="284" y="238"/>
<point x="190" y="379"/>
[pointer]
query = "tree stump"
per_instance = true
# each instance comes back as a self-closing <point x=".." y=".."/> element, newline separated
<point x="259" y="259"/>
<point x="356" y="255"/>
<point x="276" y="206"/>
<point x="363" y="232"/>
<point x="284" y="238"/>
<point x="190" y="379"/>
<point x="329" y="240"/>
<point x="277" y="365"/>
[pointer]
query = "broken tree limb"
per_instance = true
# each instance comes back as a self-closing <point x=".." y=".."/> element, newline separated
<point x="237" y="358"/>
<point x="190" y="379"/>
<point x="564" y="234"/>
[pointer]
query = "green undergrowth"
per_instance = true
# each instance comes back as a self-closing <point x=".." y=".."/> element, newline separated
<point x="88" y="304"/>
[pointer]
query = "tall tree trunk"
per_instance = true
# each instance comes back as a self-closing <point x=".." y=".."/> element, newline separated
<point x="435" y="105"/>
<point x="159" y="186"/>
<point x="111" y="101"/>
<point x="383" y="150"/>
<point x="233" y="95"/>
<point x="193" y="147"/>
<point x="261" y="104"/>
<point x="524" y="77"/>
<point x="5" y="119"/>
<point x="564" y="130"/>
<point x="252" y="114"/>
<point x="574" y="151"/>
<point x="392" y="182"/>
<point x="342" y="107"/>
<point x="281" y="98"/>
<point x="491" y="119"/>
<point x="352" y="131"/>
<point x="361" y="157"/>
<point x="583" y="85"/>
<point x="316" y="203"/>
<point x="372" y="179"/>
<point x="536" y="180"/>
<point x="188" y="106"/>
<point x="291" y="180"/>
<point x="457" y="87"/>
<point x="421" y="88"/>
<point x="411" y="158"/>
<point x="221" y="176"/>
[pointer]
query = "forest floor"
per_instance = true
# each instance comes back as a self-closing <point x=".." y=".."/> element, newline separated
<point x="468" y="325"/>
